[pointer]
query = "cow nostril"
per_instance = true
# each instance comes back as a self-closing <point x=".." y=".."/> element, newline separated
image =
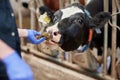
<point x="56" y="33"/>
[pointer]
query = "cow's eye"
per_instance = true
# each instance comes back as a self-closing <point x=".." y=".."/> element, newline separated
<point x="80" y="21"/>
<point x="55" y="19"/>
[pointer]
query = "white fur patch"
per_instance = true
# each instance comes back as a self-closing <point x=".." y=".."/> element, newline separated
<point x="70" y="11"/>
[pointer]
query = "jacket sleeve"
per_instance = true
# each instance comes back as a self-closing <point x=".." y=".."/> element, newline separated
<point x="17" y="69"/>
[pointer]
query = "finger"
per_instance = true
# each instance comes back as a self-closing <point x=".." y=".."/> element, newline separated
<point x="36" y="33"/>
<point x="41" y="40"/>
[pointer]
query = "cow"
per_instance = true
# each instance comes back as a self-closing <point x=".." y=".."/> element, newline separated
<point x="77" y="25"/>
<point x="73" y="26"/>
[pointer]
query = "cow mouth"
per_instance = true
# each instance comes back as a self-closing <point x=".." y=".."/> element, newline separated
<point x="54" y="37"/>
<point x="52" y="42"/>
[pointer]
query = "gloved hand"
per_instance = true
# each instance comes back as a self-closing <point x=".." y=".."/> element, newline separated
<point x="17" y="69"/>
<point x="32" y="37"/>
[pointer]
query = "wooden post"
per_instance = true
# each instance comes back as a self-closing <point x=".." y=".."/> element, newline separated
<point x="32" y="18"/>
<point x="74" y="1"/>
<point x="67" y="2"/>
<point x="61" y="3"/>
<point x="117" y="5"/>
<point x="37" y="2"/>
<point x="105" y="40"/>
<point x="20" y="20"/>
<point x="20" y="15"/>
<point x="41" y="2"/>
<point x="113" y="74"/>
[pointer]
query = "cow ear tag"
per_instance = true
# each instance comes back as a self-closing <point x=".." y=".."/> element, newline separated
<point x="47" y="19"/>
<point x="44" y="18"/>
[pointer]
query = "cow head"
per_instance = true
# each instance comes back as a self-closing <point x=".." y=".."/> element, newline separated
<point x="71" y="26"/>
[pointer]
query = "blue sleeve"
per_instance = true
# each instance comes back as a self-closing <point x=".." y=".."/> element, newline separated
<point x="17" y="69"/>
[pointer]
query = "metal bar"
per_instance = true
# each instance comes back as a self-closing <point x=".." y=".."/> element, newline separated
<point x="105" y="40"/>
<point x="113" y="74"/>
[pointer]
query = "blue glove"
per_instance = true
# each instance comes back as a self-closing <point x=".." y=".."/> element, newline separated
<point x="32" y="37"/>
<point x="17" y="69"/>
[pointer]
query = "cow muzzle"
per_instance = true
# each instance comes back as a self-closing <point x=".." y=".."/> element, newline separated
<point x="54" y="34"/>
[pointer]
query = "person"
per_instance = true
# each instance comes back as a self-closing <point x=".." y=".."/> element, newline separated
<point x="12" y="66"/>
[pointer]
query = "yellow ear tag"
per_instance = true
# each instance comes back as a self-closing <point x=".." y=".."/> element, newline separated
<point x="47" y="19"/>
<point x="44" y="19"/>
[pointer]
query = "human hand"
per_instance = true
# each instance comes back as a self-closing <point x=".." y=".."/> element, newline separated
<point x="32" y="37"/>
<point x="14" y="69"/>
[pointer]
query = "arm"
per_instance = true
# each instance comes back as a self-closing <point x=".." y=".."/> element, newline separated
<point x="22" y="32"/>
<point x="5" y="50"/>
<point x="17" y="69"/>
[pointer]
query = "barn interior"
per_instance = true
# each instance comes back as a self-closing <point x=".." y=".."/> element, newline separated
<point x="50" y="62"/>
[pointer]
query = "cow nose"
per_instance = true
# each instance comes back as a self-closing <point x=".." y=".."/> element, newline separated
<point x="52" y="31"/>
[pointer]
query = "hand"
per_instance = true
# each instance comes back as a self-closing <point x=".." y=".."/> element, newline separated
<point x="14" y="69"/>
<point x="32" y="37"/>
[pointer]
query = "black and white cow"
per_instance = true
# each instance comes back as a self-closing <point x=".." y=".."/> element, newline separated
<point x="78" y="25"/>
<point x="73" y="26"/>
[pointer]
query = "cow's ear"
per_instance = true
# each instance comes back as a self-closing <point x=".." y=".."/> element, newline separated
<point x="44" y="9"/>
<point x="47" y="14"/>
<point x="99" y="20"/>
